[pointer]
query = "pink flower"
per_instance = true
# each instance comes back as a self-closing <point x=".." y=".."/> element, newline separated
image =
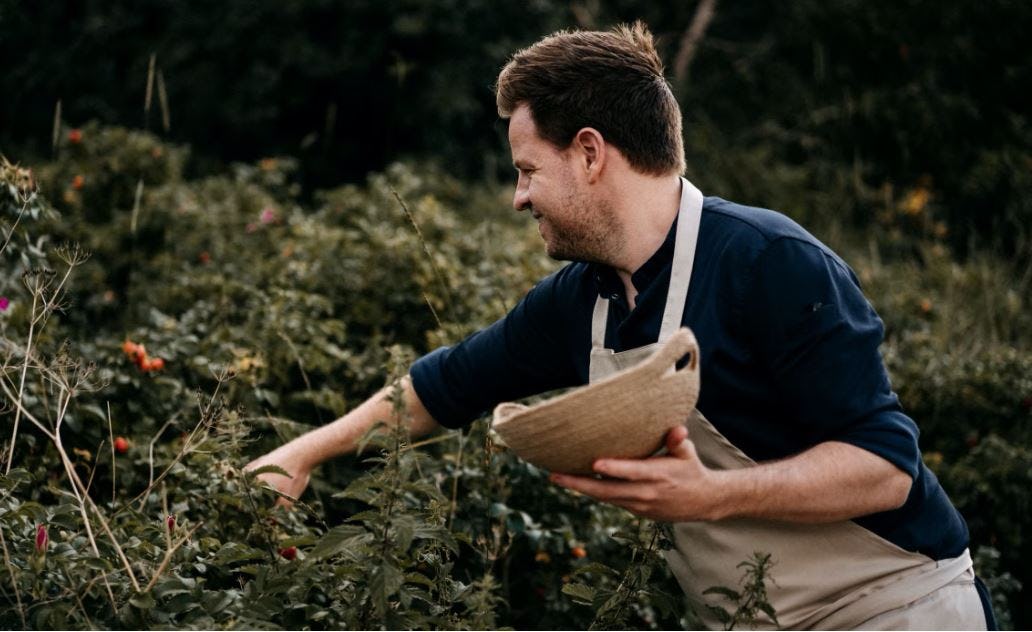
<point x="250" y="228"/>
<point x="4" y="303"/>
<point x="41" y="538"/>
<point x="268" y="215"/>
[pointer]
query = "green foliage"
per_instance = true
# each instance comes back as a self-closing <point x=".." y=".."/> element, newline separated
<point x="750" y="603"/>
<point x="273" y="314"/>
<point x="873" y="100"/>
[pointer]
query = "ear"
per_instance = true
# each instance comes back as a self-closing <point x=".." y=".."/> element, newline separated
<point x="590" y="151"/>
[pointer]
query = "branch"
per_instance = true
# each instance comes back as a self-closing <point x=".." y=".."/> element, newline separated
<point x="692" y="37"/>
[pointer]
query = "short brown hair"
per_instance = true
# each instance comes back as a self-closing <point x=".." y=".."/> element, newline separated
<point x="609" y="80"/>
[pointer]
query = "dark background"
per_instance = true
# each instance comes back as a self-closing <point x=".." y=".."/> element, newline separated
<point x="915" y="93"/>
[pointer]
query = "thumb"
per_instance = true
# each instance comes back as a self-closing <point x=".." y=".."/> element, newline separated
<point x="677" y="443"/>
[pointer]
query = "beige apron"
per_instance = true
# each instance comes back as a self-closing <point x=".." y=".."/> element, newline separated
<point x="828" y="576"/>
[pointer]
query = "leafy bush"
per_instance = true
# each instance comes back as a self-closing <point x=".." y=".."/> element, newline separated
<point x="270" y="315"/>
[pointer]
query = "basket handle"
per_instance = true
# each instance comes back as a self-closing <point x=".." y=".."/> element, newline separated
<point x="681" y="343"/>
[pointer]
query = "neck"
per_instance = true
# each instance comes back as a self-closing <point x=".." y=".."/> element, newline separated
<point x="647" y="207"/>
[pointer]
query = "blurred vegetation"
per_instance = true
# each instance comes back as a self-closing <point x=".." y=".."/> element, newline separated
<point x="258" y="249"/>
<point x="877" y="99"/>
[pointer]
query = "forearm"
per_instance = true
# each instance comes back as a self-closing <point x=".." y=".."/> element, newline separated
<point x="830" y="482"/>
<point x="340" y="437"/>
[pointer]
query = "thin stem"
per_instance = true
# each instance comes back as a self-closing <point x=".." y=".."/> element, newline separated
<point x="14" y="582"/>
<point x="21" y="386"/>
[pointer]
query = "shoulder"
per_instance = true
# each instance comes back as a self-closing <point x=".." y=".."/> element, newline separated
<point x="749" y="235"/>
<point x="560" y="294"/>
<point x="750" y="224"/>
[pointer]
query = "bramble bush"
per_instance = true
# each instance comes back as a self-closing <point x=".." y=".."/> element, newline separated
<point x="123" y="502"/>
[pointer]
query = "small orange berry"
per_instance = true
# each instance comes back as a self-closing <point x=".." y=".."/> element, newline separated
<point x="154" y="364"/>
<point x="75" y="136"/>
<point x="578" y="552"/>
<point x="130" y="348"/>
<point x="121" y="445"/>
<point x="78" y="182"/>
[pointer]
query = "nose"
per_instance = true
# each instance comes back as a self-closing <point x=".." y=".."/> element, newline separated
<point x="521" y="199"/>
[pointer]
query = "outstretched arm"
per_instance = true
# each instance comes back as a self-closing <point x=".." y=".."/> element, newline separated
<point x="300" y="456"/>
<point x="831" y="481"/>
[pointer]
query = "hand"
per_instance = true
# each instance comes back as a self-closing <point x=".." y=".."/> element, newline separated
<point x="290" y="458"/>
<point x="675" y="487"/>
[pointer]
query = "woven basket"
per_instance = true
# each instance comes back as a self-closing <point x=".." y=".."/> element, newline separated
<point x="625" y="415"/>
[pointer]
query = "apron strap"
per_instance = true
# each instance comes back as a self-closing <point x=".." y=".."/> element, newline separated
<point x="689" y="216"/>
<point x="598" y="323"/>
<point x="688" y="219"/>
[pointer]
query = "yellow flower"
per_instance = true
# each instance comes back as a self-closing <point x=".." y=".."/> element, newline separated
<point x="916" y="201"/>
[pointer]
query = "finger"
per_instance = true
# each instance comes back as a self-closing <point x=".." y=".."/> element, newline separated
<point x="615" y="492"/>
<point x="678" y="445"/>
<point x="628" y="469"/>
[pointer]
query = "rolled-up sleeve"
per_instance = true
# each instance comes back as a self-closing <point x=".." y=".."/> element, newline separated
<point x="818" y="338"/>
<point x="524" y="353"/>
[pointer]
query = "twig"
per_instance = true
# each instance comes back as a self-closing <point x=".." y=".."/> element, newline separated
<point x="136" y="207"/>
<point x="455" y="481"/>
<point x="168" y="556"/>
<point x="426" y="248"/>
<point x="57" y="127"/>
<point x="21" y="386"/>
<point x="14" y="583"/>
<point x="14" y="226"/>
<point x="432" y="310"/>
<point x="111" y="436"/>
<point x="149" y="92"/>
<point x="692" y="37"/>
<point x="150" y="452"/>
<point x="166" y="120"/>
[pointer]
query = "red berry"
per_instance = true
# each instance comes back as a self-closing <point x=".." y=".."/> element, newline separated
<point x="288" y="553"/>
<point x="578" y="552"/>
<point x="75" y="136"/>
<point x="171" y="522"/>
<point x="121" y="445"/>
<point x="41" y="538"/>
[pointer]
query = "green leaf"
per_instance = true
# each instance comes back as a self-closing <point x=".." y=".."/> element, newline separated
<point x="596" y="567"/>
<point x="769" y="610"/>
<point x="143" y="601"/>
<point x="580" y="593"/>
<point x="404" y="527"/>
<point x="236" y="552"/>
<point x="336" y="540"/>
<point x="440" y="534"/>
<point x="386" y="581"/>
<point x="270" y="469"/>
<point x="722" y="590"/>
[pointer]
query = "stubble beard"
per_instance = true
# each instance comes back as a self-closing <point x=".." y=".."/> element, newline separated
<point x="584" y="231"/>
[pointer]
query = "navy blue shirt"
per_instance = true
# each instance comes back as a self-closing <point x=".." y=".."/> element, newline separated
<point x="788" y="346"/>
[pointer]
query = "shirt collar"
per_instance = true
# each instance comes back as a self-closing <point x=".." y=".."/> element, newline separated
<point x="609" y="284"/>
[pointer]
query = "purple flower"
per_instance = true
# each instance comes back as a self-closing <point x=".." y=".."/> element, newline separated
<point x="4" y="303"/>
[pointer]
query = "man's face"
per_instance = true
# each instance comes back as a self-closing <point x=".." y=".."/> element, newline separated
<point x="573" y="224"/>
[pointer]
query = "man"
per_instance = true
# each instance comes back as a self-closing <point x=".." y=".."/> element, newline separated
<point x="799" y="446"/>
